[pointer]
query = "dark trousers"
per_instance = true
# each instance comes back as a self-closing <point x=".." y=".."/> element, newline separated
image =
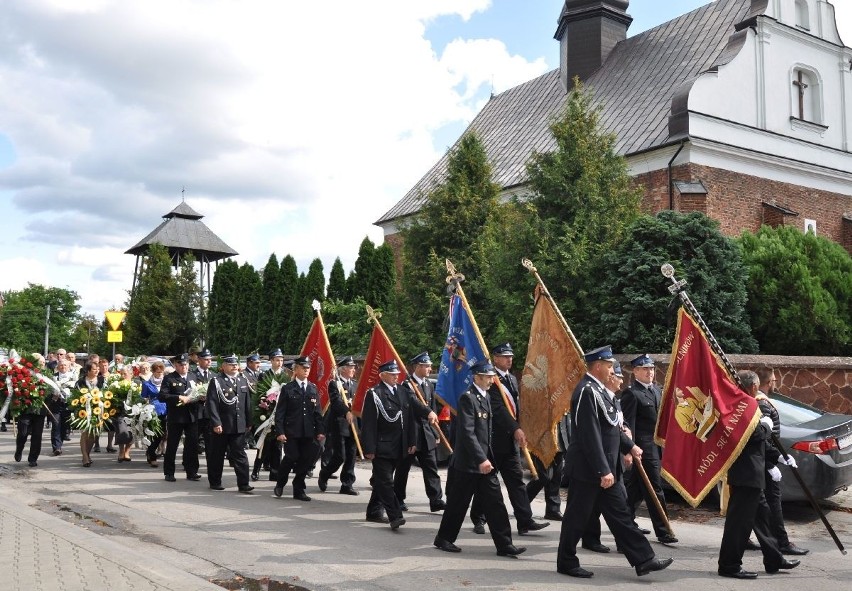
<point x="747" y="511"/>
<point x="464" y="486"/>
<point x="203" y="434"/>
<point x="429" y="466"/>
<point x="151" y="450"/>
<point x="382" y="483"/>
<point x="509" y="467"/>
<point x="32" y="426"/>
<point x="637" y="491"/>
<point x="269" y="458"/>
<point x="549" y="480"/>
<point x="235" y="445"/>
<point x="772" y="492"/>
<point x="300" y="453"/>
<point x="342" y="456"/>
<point x="56" y="424"/>
<point x="582" y="499"/>
<point x="190" y="448"/>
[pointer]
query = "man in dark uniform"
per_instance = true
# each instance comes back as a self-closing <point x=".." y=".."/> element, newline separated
<point x="594" y="464"/>
<point x="339" y="428"/>
<point x="425" y="436"/>
<point x="201" y="375"/>
<point x="387" y="436"/>
<point x="229" y="409"/>
<point x="747" y="508"/>
<point x="182" y="420"/>
<point x="270" y="457"/>
<point x="772" y="492"/>
<point x="252" y="371"/>
<point x="472" y="470"/>
<point x="507" y="441"/>
<point x="640" y="404"/>
<point x="299" y="424"/>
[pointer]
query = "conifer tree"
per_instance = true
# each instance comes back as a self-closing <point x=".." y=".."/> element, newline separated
<point x="282" y="319"/>
<point x="269" y="305"/>
<point x="337" y="282"/>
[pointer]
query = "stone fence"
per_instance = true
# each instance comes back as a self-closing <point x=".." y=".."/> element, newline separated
<point x="823" y="382"/>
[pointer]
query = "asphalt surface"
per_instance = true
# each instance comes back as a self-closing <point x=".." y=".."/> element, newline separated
<point x="121" y="526"/>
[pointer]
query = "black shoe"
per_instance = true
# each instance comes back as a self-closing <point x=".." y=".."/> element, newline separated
<point x="255" y="476"/>
<point x="396" y="523"/>
<point x="171" y="478"/>
<point x="3" y="428"/>
<point x="322" y="483"/>
<point x="333" y="477"/>
<point x="511" y="551"/>
<point x="785" y="565"/>
<point x="348" y="490"/>
<point x="403" y="507"/>
<point x="194" y="477"/>
<point x="111" y="450"/>
<point x="438" y="505"/>
<point x="217" y="487"/>
<point x="577" y="571"/>
<point x="739" y="574"/>
<point x="792" y="549"/>
<point x="749" y="545"/>
<point x="532" y="526"/>
<point x="599" y="548"/>
<point x="278" y="491"/>
<point x="442" y="544"/>
<point x="97" y="449"/>
<point x="553" y="516"/>
<point x="652" y="565"/>
<point x="18" y="455"/>
<point x="667" y="539"/>
<point x="309" y="474"/>
<point x="246" y="489"/>
<point x="32" y="463"/>
<point x="378" y="519"/>
<point x="301" y="497"/>
<point x="479" y="528"/>
<point x="643" y="530"/>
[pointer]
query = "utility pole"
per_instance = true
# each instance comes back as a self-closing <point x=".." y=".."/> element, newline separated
<point x="46" y="331"/>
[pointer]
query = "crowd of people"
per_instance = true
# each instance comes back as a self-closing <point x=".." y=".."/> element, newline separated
<point x="603" y="442"/>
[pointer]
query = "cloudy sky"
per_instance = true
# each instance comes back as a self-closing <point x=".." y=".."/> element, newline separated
<point x="291" y="125"/>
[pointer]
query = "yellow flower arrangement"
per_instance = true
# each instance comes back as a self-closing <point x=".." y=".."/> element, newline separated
<point x="108" y="395"/>
<point x="107" y="404"/>
<point x="75" y="402"/>
<point x="82" y="414"/>
<point x="92" y="410"/>
<point x="84" y="390"/>
<point x="97" y="410"/>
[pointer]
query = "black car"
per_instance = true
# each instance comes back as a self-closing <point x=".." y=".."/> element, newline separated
<point x="821" y="443"/>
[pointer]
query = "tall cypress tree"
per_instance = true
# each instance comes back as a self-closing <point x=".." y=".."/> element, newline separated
<point x="185" y="306"/>
<point x="222" y="304"/>
<point x="284" y="307"/>
<point x="248" y="309"/>
<point x="382" y="277"/>
<point x="359" y="282"/>
<point x="268" y="305"/>
<point x="313" y="289"/>
<point x="295" y="334"/>
<point x="149" y="326"/>
<point x="337" y="282"/>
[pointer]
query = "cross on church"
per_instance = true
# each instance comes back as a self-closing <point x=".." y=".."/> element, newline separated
<point x="800" y="83"/>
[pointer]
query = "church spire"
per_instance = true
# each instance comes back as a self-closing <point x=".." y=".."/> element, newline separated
<point x="587" y="32"/>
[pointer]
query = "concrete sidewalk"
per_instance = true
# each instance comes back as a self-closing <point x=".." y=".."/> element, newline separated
<point x="39" y="552"/>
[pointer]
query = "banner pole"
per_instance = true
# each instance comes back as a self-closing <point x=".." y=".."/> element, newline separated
<point x="455" y="279"/>
<point x="679" y="288"/>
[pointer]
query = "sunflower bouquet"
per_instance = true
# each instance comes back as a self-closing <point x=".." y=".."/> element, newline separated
<point x="126" y="393"/>
<point x="91" y="409"/>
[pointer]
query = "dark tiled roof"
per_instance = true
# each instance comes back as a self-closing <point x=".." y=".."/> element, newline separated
<point x="634" y="87"/>
<point x="183" y="231"/>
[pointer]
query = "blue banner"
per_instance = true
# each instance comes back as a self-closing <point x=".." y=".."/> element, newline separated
<point x="461" y="352"/>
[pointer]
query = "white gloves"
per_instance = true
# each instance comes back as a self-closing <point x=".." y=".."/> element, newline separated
<point x="789" y="461"/>
<point x="768" y="422"/>
<point x="775" y="473"/>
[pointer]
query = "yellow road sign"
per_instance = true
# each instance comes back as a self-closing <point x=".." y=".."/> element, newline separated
<point x="114" y="319"/>
<point x="114" y="336"/>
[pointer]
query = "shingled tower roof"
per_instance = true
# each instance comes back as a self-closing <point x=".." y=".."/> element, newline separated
<point x="183" y="232"/>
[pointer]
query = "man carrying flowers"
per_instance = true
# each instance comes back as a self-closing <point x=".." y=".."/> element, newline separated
<point x="182" y="420"/>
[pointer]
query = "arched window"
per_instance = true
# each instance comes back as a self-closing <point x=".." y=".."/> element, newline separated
<point x="806" y="100"/>
<point x="803" y="15"/>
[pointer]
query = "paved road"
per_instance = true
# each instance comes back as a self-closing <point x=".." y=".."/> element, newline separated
<point x="126" y="521"/>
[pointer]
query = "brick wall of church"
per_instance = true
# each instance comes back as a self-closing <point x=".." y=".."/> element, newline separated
<point x="734" y="199"/>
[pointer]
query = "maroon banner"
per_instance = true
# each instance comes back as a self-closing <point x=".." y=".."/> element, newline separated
<point x="705" y="418"/>
<point x="379" y="351"/>
<point x="318" y="349"/>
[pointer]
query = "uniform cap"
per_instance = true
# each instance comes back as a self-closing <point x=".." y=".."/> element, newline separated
<point x="205" y="354"/>
<point x="422" y="359"/>
<point x="302" y="361"/>
<point x="231" y="358"/>
<point x="276" y="353"/>
<point x="389" y="367"/>
<point x="643" y="360"/>
<point x="483" y="369"/>
<point x="346" y="361"/>
<point x="600" y="354"/>
<point x="505" y="349"/>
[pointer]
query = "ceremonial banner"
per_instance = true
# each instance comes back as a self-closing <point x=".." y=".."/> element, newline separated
<point x="379" y="351"/>
<point x="318" y="349"/>
<point x="553" y="367"/>
<point x="705" y="418"/>
<point x="461" y="352"/>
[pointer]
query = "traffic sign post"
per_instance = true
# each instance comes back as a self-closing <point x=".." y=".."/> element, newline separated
<point x="114" y="318"/>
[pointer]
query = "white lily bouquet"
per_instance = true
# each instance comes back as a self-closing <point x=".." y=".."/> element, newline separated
<point x="144" y="423"/>
<point x="197" y="391"/>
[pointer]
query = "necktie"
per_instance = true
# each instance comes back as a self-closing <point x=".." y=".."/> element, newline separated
<point x="302" y="386"/>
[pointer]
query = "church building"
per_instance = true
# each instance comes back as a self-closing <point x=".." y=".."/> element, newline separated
<point x="740" y="109"/>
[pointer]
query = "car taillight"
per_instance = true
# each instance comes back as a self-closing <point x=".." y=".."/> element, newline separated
<point x="816" y="447"/>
